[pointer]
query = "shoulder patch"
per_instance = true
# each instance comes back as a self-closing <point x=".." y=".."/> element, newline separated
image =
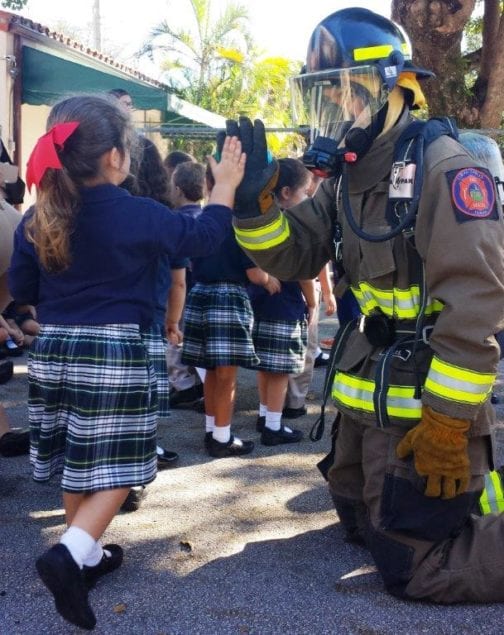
<point x="472" y="194"/>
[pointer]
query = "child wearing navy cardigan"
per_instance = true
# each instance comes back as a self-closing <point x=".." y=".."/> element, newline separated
<point x="86" y="256"/>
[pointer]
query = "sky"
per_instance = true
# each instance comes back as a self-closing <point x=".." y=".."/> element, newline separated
<point x="280" y="27"/>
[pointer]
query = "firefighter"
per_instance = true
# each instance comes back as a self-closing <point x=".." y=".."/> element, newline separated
<point x="418" y="228"/>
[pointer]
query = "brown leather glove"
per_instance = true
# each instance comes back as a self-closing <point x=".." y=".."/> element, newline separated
<point x="439" y="446"/>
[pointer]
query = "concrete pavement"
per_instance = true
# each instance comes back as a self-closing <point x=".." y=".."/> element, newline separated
<point x="249" y="545"/>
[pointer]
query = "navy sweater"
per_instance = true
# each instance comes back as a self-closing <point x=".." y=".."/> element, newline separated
<point x="115" y="247"/>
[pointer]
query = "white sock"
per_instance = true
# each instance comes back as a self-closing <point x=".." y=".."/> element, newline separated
<point x="262" y="410"/>
<point x="95" y="555"/>
<point x="79" y="543"/>
<point x="159" y="450"/>
<point x="274" y="421"/>
<point x="222" y="434"/>
<point x="209" y="423"/>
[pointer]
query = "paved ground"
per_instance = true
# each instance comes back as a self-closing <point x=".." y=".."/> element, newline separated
<point x="232" y="546"/>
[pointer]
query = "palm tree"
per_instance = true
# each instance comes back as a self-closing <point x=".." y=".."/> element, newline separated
<point x="205" y="55"/>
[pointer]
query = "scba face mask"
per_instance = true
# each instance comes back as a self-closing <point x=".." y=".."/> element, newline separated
<point x="344" y="110"/>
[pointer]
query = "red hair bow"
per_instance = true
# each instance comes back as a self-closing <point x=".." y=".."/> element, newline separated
<point x="44" y="153"/>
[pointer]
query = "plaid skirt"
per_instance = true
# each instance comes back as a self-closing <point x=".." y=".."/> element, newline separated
<point x="92" y="407"/>
<point x="280" y="345"/>
<point x="157" y="345"/>
<point x="218" y="327"/>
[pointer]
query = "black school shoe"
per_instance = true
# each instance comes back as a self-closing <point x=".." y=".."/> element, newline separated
<point x="61" y="575"/>
<point x="234" y="447"/>
<point x="294" y="413"/>
<point x="106" y="565"/>
<point x="166" y="459"/>
<point x="260" y="423"/>
<point x="276" y="437"/>
<point x="134" y="499"/>
<point x="322" y="359"/>
<point x="186" y="399"/>
<point x="15" y="443"/>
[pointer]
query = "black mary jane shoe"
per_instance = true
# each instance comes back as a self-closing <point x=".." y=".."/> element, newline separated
<point x="107" y="564"/>
<point x="62" y="576"/>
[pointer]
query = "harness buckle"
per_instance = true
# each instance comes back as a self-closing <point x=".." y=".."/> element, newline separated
<point x="426" y="331"/>
<point x="403" y="354"/>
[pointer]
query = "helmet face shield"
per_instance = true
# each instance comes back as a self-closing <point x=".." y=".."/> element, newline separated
<point x="333" y="101"/>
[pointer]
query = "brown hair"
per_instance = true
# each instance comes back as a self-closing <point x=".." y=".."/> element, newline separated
<point x="291" y="173"/>
<point x="147" y="174"/>
<point x="190" y="178"/>
<point x="102" y="126"/>
<point x="176" y="157"/>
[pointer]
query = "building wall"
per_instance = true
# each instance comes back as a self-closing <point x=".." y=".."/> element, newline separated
<point x="6" y="88"/>
<point x="33" y="125"/>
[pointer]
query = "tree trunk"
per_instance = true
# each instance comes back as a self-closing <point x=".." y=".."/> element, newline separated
<point x="436" y="29"/>
<point x="96" y="25"/>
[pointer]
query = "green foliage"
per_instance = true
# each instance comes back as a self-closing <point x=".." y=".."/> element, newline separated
<point x="16" y="5"/>
<point x="473" y="34"/>
<point x="214" y="63"/>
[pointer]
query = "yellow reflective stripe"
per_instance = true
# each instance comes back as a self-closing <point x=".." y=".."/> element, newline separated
<point x="492" y="498"/>
<point x="356" y="392"/>
<point x="458" y="384"/>
<point x="403" y="304"/>
<point x="263" y="237"/>
<point x="378" y="52"/>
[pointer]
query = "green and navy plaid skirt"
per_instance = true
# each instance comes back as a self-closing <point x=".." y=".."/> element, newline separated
<point x="156" y="345"/>
<point x="280" y="345"/>
<point x="92" y="407"/>
<point x="218" y="327"/>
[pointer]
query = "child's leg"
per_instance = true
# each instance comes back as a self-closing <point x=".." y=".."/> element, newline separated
<point x="93" y="512"/>
<point x="223" y="443"/>
<point x="276" y="390"/>
<point x="209" y="392"/>
<point x="225" y="391"/>
<point x="262" y="386"/>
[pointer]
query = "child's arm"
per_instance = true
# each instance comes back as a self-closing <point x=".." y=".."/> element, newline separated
<point x="175" y="306"/>
<point x="257" y="276"/>
<point x="327" y="291"/>
<point x="310" y="295"/>
<point x="228" y="173"/>
<point x="15" y="333"/>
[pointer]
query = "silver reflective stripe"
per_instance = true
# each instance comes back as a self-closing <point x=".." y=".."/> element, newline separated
<point x="457" y="384"/>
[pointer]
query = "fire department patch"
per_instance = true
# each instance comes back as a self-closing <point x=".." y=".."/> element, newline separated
<point x="472" y="194"/>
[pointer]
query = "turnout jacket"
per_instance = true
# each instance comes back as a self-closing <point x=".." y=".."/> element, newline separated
<point x="458" y="241"/>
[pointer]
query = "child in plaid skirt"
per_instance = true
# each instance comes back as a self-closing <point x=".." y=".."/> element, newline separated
<point x="218" y="335"/>
<point x="86" y="256"/>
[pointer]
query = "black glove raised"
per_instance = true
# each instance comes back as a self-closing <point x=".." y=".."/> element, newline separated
<point x="254" y="195"/>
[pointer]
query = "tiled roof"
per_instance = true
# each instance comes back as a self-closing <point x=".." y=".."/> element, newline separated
<point x="28" y="27"/>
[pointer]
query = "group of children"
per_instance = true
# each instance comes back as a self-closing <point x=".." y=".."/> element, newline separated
<point x="99" y="264"/>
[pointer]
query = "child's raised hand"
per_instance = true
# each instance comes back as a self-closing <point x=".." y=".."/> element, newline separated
<point x="231" y="167"/>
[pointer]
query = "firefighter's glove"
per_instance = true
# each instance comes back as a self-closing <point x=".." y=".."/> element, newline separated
<point x="254" y="195"/>
<point x="439" y="446"/>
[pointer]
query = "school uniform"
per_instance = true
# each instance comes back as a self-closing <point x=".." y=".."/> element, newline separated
<point x="218" y="316"/>
<point x="280" y="328"/>
<point x="92" y="392"/>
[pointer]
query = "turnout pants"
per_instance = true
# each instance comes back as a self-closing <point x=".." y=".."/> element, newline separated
<point x="424" y="548"/>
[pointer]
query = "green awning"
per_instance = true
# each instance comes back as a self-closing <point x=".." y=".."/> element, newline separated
<point x="47" y="78"/>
